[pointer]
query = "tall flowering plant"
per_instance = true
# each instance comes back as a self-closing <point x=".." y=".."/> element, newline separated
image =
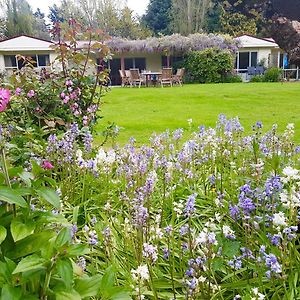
<point x="70" y="91"/>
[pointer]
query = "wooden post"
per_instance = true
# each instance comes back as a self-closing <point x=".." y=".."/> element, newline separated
<point x="122" y="63"/>
<point x="168" y="61"/>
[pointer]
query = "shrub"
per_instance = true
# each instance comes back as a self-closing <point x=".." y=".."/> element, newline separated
<point x="257" y="78"/>
<point x="273" y="75"/>
<point x="232" y="79"/>
<point x="209" y="65"/>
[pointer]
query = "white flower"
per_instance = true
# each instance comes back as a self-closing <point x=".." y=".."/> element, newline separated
<point x="279" y="219"/>
<point x="290" y="173"/>
<point x="227" y="231"/>
<point x="141" y="272"/>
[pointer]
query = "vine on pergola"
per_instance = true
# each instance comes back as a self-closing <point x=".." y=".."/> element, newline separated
<point x="174" y="43"/>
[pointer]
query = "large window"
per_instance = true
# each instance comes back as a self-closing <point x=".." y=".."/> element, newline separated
<point x="39" y="60"/>
<point x="246" y="59"/>
<point x="135" y="63"/>
<point x="173" y="60"/>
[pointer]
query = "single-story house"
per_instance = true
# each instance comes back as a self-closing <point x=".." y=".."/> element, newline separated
<point x="38" y="49"/>
<point x="151" y="54"/>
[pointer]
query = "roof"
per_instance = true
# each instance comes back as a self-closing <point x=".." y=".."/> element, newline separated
<point x="25" y="43"/>
<point x="248" y="41"/>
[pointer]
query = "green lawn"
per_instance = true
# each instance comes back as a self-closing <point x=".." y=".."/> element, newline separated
<point x="142" y="111"/>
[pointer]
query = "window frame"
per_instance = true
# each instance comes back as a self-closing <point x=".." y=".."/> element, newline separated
<point x="38" y="66"/>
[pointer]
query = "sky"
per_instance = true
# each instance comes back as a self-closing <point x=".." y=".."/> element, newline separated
<point x="138" y="6"/>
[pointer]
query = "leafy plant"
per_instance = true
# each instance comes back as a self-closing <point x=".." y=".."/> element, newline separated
<point x="210" y="65"/>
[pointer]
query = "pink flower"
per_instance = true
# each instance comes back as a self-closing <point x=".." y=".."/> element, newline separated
<point x="18" y="91"/>
<point x="47" y="165"/>
<point x="4" y="98"/>
<point x="66" y="99"/>
<point x="62" y="95"/>
<point x="69" y="82"/>
<point x="30" y="94"/>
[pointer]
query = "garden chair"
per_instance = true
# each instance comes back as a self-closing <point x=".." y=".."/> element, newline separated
<point x="250" y="72"/>
<point x="260" y="70"/>
<point x="178" y="77"/>
<point x="136" y="78"/>
<point x="124" y="78"/>
<point x="166" y="77"/>
<point x="128" y="75"/>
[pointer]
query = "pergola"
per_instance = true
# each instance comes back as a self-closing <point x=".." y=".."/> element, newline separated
<point x="172" y="44"/>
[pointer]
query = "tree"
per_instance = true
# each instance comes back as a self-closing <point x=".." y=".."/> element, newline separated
<point x="189" y="16"/>
<point x="158" y="16"/>
<point x="41" y="29"/>
<point x="19" y="18"/>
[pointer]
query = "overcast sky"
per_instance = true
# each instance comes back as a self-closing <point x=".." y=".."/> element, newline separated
<point x="139" y="6"/>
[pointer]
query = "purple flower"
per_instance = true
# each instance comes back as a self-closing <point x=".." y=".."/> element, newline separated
<point x="18" y="91"/>
<point x="31" y="94"/>
<point x="190" y="205"/>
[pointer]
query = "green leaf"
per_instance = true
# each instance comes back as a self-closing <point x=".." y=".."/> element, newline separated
<point x="78" y="250"/>
<point x="73" y="295"/>
<point x="65" y="271"/>
<point x="29" y="263"/>
<point x="217" y="264"/>
<point x="26" y="177"/>
<point x="108" y="278"/>
<point x="11" y="293"/>
<point x="88" y="287"/>
<point x="20" y="230"/>
<point x="32" y="243"/>
<point x="3" y="233"/>
<point x="12" y="197"/>
<point x="231" y="248"/>
<point x="50" y="196"/>
<point x="63" y="237"/>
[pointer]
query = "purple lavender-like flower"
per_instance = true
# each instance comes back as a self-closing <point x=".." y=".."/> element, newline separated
<point x="87" y="140"/>
<point x="150" y="252"/>
<point x="190" y="205"/>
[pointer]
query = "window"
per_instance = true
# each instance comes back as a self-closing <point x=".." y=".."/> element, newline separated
<point x="246" y="59"/>
<point x="172" y="60"/>
<point x="253" y="61"/>
<point x="10" y="61"/>
<point x="40" y="60"/>
<point x="43" y="60"/>
<point x="135" y="63"/>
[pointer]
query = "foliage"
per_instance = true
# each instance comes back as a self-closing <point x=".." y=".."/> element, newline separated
<point x="205" y="218"/>
<point x="236" y="24"/>
<point x="174" y="43"/>
<point x="39" y="257"/>
<point x="189" y="16"/>
<point x="273" y="75"/>
<point x="257" y="78"/>
<point x="113" y="17"/>
<point x="158" y="16"/>
<point x="19" y="19"/>
<point x="210" y="65"/>
<point x="232" y="79"/>
<point x="57" y="97"/>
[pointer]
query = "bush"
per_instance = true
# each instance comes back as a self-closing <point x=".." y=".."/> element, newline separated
<point x="273" y="75"/>
<point x="209" y="65"/>
<point x="232" y="79"/>
<point x="257" y="78"/>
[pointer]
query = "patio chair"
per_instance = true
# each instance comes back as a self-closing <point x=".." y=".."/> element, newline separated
<point x="178" y="77"/>
<point x="136" y="78"/>
<point x="250" y="72"/>
<point x="166" y="77"/>
<point x="260" y="70"/>
<point x="124" y="78"/>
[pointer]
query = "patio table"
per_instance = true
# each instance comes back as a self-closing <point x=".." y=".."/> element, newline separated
<point x="149" y="75"/>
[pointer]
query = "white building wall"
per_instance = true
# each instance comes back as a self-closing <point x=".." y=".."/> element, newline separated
<point x="2" y="65"/>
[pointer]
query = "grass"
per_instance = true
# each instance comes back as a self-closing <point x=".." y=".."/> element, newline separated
<point x="140" y="112"/>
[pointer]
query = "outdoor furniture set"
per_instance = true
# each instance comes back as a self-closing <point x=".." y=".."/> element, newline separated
<point x="133" y="77"/>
